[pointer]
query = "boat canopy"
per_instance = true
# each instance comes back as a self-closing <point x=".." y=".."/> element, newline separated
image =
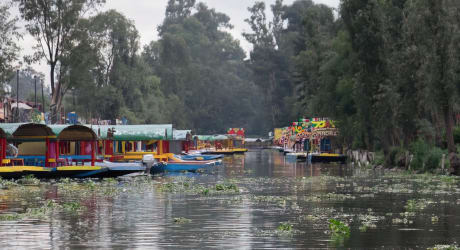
<point x="135" y="132"/>
<point x="73" y="132"/>
<point x="181" y="135"/>
<point x="2" y="133"/>
<point x="26" y="130"/>
<point x="211" y="137"/>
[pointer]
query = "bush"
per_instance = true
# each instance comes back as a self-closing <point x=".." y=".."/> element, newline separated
<point x="420" y="151"/>
<point x="457" y="134"/>
<point x="395" y="156"/>
<point x="433" y="159"/>
<point x="426" y="157"/>
<point x="379" y="159"/>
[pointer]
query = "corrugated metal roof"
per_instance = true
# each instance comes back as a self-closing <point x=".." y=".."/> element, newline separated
<point x="211" y="137"/>
<point x="73" y="132"/>
<point x="180" y="135"/>
<point x="135" y="132"/>
<point x="25" y="129"/>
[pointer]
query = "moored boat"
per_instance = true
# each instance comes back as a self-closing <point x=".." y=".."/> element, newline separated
<point x="240" y="150"/>
<point x="178" y="167"/>
<point x="199" y="157"/>
<point x="326" y="157"/>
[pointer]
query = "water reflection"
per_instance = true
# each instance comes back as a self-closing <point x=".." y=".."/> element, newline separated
<point x="273" y="191"/>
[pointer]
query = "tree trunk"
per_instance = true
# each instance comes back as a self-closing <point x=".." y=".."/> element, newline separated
<point x="449" y="122"/>
<point x="54" y="94"/>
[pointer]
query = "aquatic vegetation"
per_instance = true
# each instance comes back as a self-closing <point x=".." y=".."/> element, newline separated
<point x="417" y="205"/>
<point x="444" y="247"/>
<point x="29" y="180"/>
<point x="369" y="221"/>
<point x="181" y="220"/>
<point x="72" y="206"/>
<point x="10" y="217"/>
<point x="284" y="227"/>
<point x="330" y="197"/>
<point x="339" y="229"/>
<point x="227" y="187"/>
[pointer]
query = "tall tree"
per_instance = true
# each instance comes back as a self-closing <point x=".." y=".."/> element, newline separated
<point x="268" y="62"/>
<point x="9" y="49"/>
<point x="53" y="23"/>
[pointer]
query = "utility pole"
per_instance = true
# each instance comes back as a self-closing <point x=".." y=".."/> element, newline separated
<point x="17" y="96"/>
<point x="43" y="100"/>
<point x="35" y="92"/>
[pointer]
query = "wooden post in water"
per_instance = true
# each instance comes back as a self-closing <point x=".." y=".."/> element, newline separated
<point x="443" y="160"/>
<point x="93" y="153"/>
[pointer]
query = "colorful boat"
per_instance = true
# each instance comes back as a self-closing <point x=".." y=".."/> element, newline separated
<point x="54" y="151"/>
<point x="220" y="151"/>
<point x="199" y="157"/>
<point x="240" y="150"/>
<point x="112" y="170"/>
<point x="312" y="139"/>
<point x="125" y="143"/>
<point x="179" y="167"/>
<point x="297" y="156"/>
<point x="326" y="157"/>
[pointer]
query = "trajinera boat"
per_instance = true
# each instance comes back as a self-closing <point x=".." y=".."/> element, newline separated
<point x="54" y="151"/>
<point x="177" y="164"/>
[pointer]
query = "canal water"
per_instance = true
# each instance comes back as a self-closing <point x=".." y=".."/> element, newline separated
<point x="252" y="201"/>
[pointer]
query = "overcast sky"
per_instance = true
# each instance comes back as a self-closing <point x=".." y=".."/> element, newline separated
<point x="148" y="14"/>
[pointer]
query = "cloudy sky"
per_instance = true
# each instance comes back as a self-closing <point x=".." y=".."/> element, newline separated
<point x="148" y="14"/>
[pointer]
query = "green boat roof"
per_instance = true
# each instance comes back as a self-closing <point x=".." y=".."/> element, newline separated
<point x="180" y="135"/>
<point x="73" y="132"/>
<point x="10" y="130"/>
<point x="135" y="132"/>
<point x="87" y="132"/>
<point x="211" y="137"/>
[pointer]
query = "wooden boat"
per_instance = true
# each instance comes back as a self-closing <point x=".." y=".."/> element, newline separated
<point x="326" y="157"/>
<point x="219" y="152"/>
<point x="301" y="156"/>
<point x="240" y="150"/>
<point x="178" y="167"/>
<point x="16" y="172"/>
<point x="199" y="157"/>
<point x="112" y="170"/>
<point x="57" y="161"/>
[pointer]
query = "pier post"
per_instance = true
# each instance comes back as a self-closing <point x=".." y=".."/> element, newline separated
<point x="443" y="160"/>
<point x="93" y="153"/>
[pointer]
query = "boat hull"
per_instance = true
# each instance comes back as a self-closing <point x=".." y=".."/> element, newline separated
<point x="200" y="157"/>
<point x="327" y="158"/>
<point x="178" y="167"/>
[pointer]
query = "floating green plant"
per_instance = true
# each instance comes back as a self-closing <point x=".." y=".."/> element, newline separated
<point x="181" y="220"/>
<point x="227" y="187"/>
<point x="444" y="247"/>
<point x="72" y="206"/>
<point x="29" y="180"/>
<point x="417" y="205"/>
<point x="284" y="227"/>
<point x="10" y="217"/>
<point x="339" y="229"/>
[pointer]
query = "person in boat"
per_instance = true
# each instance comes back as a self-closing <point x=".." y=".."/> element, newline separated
<point x="12" y="151"/>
